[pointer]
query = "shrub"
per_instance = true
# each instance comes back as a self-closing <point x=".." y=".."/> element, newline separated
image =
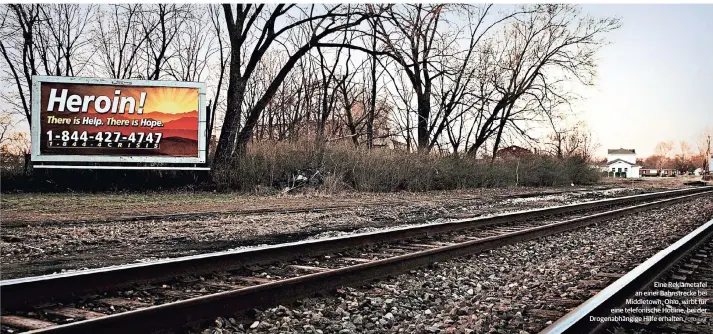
<point x="334" y="166"/>
<point x="13" y="178"/>
<point x="382" y="169"/>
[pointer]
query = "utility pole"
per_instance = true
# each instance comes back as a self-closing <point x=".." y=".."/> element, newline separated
<point x="706" y="161"/>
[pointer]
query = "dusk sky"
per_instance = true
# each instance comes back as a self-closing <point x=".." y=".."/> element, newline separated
<point x="655" y="79"/>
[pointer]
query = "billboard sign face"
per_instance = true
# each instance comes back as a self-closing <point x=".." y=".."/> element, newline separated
<point x="110" y="120"/>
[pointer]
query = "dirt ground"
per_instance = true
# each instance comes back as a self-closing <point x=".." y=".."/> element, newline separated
<point x="72" y="207"/>
<point x="46" y="233"/>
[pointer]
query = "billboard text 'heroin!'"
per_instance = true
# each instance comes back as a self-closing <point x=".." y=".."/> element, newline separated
<point x="102" y="104"/>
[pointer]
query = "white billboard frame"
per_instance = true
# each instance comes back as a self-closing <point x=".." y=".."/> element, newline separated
<point x="36" y="132"/>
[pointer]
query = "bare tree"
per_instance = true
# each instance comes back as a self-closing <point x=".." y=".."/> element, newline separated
<point x="378" y="109"/>
<point x="62" y="42"/>
<point x="163" y="25"/>
<point x="242" y="24"/>
<point x="663" y="149"/>
<point x="198" y="52"/>
<point x="120" y="35"/>
<point x="6" y="128"/>
<point x="17" y="44"/>
<point x="411" y="35"/>
<point x="437" y="56"/>
<point x="373" y="76"/>
<point x="461" y="72"/>
<point x="402" y="100"/>
<point x="702" y="142"/>
<point x="352" y="90"/>
<point x="47" y="39"/>
<point x="685" y="150"/>
<point x="571" y="141"/>
<point x="539" y="49"/>
<point x="12" y="142"/>
<point x="328" y="92"/>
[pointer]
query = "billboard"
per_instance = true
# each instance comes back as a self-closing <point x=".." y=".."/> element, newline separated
<point x="110" y="120"/>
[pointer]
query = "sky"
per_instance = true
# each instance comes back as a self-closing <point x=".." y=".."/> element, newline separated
<point x="655" y="79"/>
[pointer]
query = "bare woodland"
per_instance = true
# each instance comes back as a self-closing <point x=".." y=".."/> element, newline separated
<point x="680" y="156"/>
<point x="452" y="79"/>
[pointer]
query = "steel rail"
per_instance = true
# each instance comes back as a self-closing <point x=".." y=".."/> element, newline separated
<point x="179" y="314"/>
<point x="578" y="320"/>
<point x="17" y="293"/>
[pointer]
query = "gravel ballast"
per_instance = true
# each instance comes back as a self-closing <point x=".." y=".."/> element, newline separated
<point x="514" y="289"/>
<point x="35" y="249"/>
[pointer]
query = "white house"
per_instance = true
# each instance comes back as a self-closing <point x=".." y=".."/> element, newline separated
<point x="622" y="163"/>
<point x="623" y="154"/>
<point x="649" y="171"/>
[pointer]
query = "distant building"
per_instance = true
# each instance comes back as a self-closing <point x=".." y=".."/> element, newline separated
<point x="668" y="172"/>
<point x="513" y="151"/>
<point x="648" y="172"/>
<point x="628" y="155"/>
<point x="622" y="163"/>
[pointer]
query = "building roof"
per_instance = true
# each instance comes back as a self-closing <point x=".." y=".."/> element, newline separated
<point x="514" y="150"/>
<point x="624" y="161"/>
<point x="621" y="151"/>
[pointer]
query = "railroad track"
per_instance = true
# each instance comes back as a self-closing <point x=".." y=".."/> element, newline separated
<point x="172" y="293"/>
<point x="274" y="211"/>
<point x="668" y="293"/>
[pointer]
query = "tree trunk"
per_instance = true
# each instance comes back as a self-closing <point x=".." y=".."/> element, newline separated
<point x="482" y="134"/>
<point x="501" y="128"/>
<point x="424" y="110"/>
<point x="324" y="114"/>
<point x="372" y="106"/>
<point x="231" y="122"/>
<point x="350" y="123"/>
<point x="408" y="131"/>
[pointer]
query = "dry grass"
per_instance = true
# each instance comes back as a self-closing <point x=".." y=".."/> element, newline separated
<point x="381" y="170"/>
<point x="269" y="167"/>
